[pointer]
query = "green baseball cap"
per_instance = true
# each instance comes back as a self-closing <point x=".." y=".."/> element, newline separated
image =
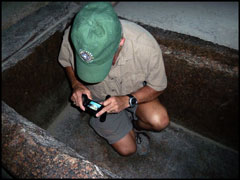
<point x="96" y="34"/>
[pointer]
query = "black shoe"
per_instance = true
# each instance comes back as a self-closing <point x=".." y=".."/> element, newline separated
<point x="142" y="141"/>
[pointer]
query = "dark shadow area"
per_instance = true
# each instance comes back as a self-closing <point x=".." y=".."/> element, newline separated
<point x="37" y="86"/>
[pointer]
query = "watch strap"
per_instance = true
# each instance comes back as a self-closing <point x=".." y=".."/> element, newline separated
<point x="130" y="96"/>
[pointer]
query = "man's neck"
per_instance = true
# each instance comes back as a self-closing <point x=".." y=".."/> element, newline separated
<point x="118" y="51"/>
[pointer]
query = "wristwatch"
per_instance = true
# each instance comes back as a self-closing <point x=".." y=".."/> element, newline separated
<point x="132" y="100"/>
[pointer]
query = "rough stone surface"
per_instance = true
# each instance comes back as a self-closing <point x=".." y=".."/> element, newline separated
<point x="30" y="152"/>
<point x="15" y="11"/>
<point x="34" y="29"/>
<point x="211" y="21"/>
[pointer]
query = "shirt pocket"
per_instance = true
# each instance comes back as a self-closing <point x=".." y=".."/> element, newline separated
<point x="131" y="82"/>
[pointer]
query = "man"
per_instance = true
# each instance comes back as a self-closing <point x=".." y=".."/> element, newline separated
<point x="117" y="58"/>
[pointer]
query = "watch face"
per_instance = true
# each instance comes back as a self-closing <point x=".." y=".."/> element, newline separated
<point x="134" y="101"/>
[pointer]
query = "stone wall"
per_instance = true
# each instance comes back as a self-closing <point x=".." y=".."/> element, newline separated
<point x="202" y="92"/>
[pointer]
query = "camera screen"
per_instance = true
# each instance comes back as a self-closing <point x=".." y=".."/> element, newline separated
<point x="94" y="106"/>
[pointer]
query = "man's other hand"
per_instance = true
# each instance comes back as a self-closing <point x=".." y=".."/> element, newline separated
<point x="114" y="104"/>
<point x="78" y="90"/>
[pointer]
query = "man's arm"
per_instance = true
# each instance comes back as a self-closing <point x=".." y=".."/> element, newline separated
<point x="78" y="88"/>
<point x="146" y="94"/>
<point x="116" y="104"/>
<point x="71" y="76"/>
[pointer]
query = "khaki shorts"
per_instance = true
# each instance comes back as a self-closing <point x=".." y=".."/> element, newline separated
<point x="116" y="126"/>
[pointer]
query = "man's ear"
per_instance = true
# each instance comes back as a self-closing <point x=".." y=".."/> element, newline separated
<point x="122" y="41"/>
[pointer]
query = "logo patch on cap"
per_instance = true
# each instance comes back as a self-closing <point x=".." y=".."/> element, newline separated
<point x="86" y="56"/>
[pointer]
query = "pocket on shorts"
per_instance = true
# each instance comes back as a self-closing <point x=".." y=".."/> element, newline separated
<point x="111" y="125"/>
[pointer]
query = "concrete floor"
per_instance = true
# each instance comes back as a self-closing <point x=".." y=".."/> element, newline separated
<point x="12" y="12"/>
<point x="211" y="21"/>
<point x="174" y="153"/>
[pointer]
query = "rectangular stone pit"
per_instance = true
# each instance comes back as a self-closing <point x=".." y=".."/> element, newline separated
<point x="202" y="92"/>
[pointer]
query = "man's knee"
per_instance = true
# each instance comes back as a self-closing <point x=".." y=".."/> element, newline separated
<point x="159" y="121"/>
<point x="154" y="114"/>
<point x="127" y="151"/>
<point x="127" y="145"/>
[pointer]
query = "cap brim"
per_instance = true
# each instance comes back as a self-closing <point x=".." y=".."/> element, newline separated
<point x="92" y="73"/>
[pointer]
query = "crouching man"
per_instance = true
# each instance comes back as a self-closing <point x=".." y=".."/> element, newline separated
<point x="102" y="56"/>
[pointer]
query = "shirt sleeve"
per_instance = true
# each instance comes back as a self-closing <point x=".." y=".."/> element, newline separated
<point x="66" y="56"/>
<point x="156" y="76"/>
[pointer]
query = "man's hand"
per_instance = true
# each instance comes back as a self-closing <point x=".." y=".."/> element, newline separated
<point x="78" y="90"/>
<point x="114" y="104"/>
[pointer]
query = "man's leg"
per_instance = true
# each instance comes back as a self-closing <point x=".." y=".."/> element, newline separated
<point x="127" y="145"/>
<point x="114" y="126"/>
<point x="152" y="116"/>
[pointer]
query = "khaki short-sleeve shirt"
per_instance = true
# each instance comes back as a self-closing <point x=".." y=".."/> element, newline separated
<point x="140" y="60"/>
